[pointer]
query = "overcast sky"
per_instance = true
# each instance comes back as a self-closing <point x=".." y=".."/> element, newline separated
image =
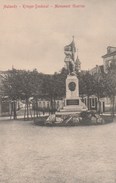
<point x="35" y="38"/>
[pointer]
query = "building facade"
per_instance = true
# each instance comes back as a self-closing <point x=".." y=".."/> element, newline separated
<point x="97" y="69"/>
<point x="109" y="62"/>
<point x="109" y="59"/>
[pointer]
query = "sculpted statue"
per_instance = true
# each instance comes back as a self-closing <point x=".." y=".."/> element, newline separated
<point x="70" y="64"/>
<point x="69" y="51"/>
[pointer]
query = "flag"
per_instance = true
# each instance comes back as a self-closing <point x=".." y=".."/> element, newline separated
<point x="71" y="47"/>
<point x="70" y="50"/>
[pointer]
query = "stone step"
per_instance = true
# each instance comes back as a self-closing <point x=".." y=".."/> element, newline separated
<point x="66" y="113"/>
<point x="76" y="109"/>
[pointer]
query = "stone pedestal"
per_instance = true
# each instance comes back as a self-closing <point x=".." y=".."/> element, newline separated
<point x="72" y="87"/>
<point x="73" y="103"/>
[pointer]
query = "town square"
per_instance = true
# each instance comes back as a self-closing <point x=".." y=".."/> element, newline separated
<point x="57" y="91"/>
<point x="32" y="153"/>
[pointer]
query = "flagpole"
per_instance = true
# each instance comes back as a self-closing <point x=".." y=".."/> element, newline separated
<point x="73" y="51"/>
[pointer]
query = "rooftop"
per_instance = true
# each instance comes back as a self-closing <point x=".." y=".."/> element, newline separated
<point x="110" y="51"/>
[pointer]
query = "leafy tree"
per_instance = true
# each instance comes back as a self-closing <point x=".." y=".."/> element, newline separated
<point x="21" y="84"/>
<point x="110" y="83"/>
<point x="86" y="85"/>
<point x="82" y="85"/>
<point x="11" y="87"/>
<point x="30" y="87"/>
<point x="53" y="87"/>
<point x="99" y="85"/>
<point x="36" y="89"/>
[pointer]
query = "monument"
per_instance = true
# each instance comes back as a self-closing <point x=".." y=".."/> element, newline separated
<point x="72" y="102"/>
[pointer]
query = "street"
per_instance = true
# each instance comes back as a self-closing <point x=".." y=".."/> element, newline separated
<point x="34" y="154"/>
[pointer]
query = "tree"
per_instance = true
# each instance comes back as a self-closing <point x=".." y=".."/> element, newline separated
<point x="36" y="89"/>
<point x="86" y="85"/>
<point x="53" y="87"/>
<point x="110" y="82"/>
<point x="30" y="87"/>
<point x="21" y="85"/>
<point x="99" y="85"/>
<point x="11" y="87"/>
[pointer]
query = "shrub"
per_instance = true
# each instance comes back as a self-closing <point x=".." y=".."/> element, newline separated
<point x="40" y="120"/>
<point x="92" y="118"/>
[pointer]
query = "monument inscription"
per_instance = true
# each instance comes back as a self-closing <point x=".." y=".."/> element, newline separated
<point x="72" y="102"/>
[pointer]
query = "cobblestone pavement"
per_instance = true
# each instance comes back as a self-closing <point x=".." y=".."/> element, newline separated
<point x="33" y="154"/>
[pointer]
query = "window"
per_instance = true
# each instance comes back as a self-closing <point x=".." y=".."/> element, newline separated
<point x="110" y="62"/>
<point x="47" y="104"/>
<point x="93" y="102"/>
<point x="39" y="104"/>
<point x="43" y="104"/>
<point x="57" y="104"/>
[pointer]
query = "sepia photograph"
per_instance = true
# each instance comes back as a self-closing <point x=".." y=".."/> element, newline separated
<point x="57" y="91"/>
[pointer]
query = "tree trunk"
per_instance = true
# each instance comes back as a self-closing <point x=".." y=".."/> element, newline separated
<point x="34" y="110"/>
<point x="26" y="113"/>
<point x="51" y="105"/>
<point x="88" y="102"/>
<point x="14" y="107"/>
<point x="98" y="106"/>
<point x="54" y="105"/>
<point x="36" y="107"/>
<point x="27" y="104"/>
<point x="113" y="105"/>
<point x="30" y="110"/>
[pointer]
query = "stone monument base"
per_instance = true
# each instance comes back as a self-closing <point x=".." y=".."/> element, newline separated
<point x="72" y="106"/>
<point x="72" y="102"/>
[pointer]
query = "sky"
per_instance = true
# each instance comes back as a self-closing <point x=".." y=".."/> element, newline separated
<point x="35" y="37"/>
